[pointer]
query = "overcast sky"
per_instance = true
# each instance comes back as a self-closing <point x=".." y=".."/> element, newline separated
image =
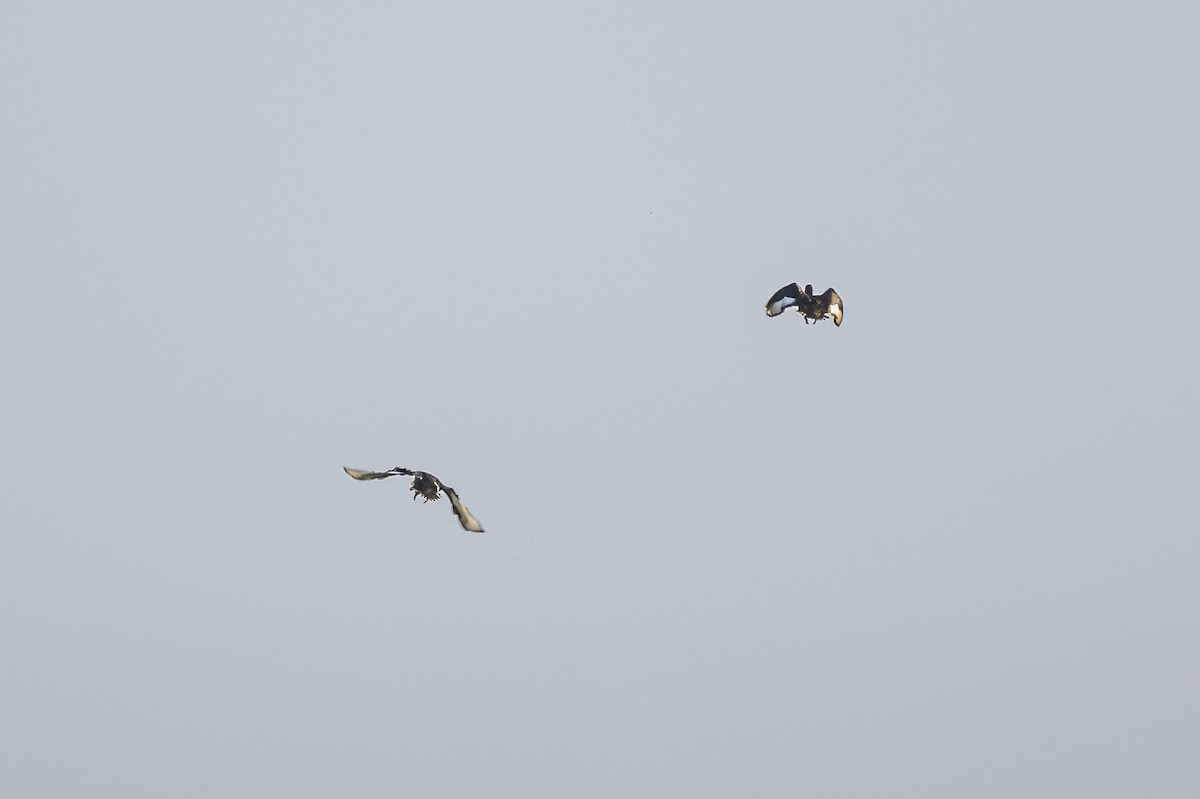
<point x="948" y="549"/>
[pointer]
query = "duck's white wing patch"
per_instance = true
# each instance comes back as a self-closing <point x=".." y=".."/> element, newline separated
<point x="361" y="474"/>
<point x="468" y="521"/>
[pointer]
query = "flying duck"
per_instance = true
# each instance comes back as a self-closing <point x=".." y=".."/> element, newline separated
<point x="426" y="485"/>
<point x="816" y="308"/>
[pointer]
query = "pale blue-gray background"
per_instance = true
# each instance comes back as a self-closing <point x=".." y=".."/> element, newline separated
<point x="946" y="550"/>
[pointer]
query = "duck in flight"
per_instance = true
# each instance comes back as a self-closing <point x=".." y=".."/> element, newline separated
<point x="821" y="306"/>
<point x="425" y="485"/>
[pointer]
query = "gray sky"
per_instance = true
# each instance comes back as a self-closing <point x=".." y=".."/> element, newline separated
<point x="945" y="550"/>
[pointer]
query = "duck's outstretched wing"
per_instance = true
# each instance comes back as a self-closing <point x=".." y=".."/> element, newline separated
<point x="361" y="474"/>
<point x="468" y="521"/>
<point x="785" y="298"/>
<point x="835" y="305"/>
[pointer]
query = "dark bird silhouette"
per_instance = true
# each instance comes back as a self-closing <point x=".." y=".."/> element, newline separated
<point x="822" y="306"/>
<point x="425" y="485"/>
